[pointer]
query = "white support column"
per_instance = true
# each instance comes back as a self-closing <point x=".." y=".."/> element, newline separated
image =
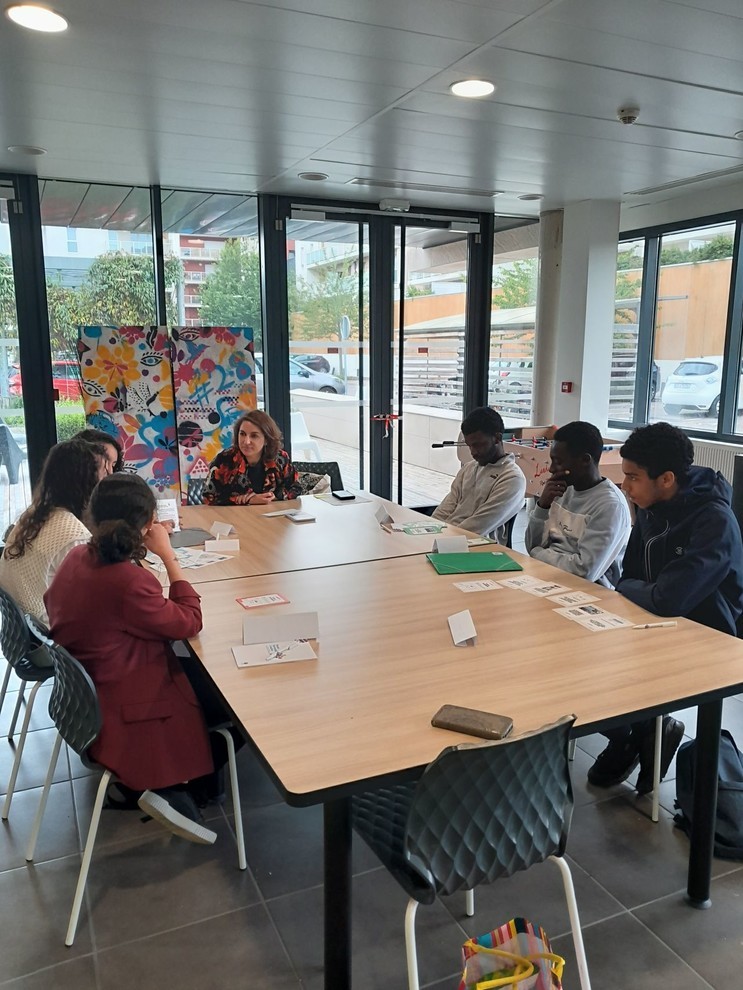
<point x="585" y="323"/>
<point x="545" y="343"/>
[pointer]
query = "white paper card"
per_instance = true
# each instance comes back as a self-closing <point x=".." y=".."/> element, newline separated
<point x="383" y="517"/>
<point x="485" y="585"/>
<point x="545" y="588"/>
<point x="462" y="628"/>
<point x="280" y="628"/>
<point x="298" y="516"/>
<point x="278" y="512"/>
<point x="167" y="511"/>
<point x="450" y="544"/>
<point x="262" y="600"/>
<point x="222" y="546"/>
<point x="268" y="654"/>
<point x="521" y="583"/>
<point x="220" y="529"/>
<point x="594" y="618"/>
<point x="573" y="598"/>
<point x="479" y="541"/>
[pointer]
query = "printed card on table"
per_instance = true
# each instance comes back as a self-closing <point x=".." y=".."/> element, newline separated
<point x="281" y="638"/>
<point x="262" y="600"/>
<point x="521" y="583"/>
<point x="485" y="585"/>
<point x="594" y="618"/>
<point x="573" y="598"/>
<point x="266" y="654"/>
<point x="462" y="628"/>
<point x="545" y="588"/>
<point x="167" y="511"/>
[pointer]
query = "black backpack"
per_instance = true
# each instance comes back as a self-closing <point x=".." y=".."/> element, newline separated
<point x="729" y="815"/>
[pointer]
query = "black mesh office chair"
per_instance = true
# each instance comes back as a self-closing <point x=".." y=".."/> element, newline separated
<point x="32" y="664"/>
<point x="330" y="468"/>
<point x="11" y="454"/>
<point x="479" y="812"/>
<point x="195" y="491"/>
<point x="74" y="709"/>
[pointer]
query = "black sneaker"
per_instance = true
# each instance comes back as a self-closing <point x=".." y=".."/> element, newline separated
<point x="673" y="732"/>
<point x="614" y="765"/>
<point x="176" y="810"/>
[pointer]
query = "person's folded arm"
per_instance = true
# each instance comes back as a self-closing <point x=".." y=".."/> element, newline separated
<point x="150" y="616"/>
<point x="684" y="582"/>
<point x="447" y="507"/>
<point x="605" y="533"/>
<point x="504" y="501"/>
<point x="536" y="528"/>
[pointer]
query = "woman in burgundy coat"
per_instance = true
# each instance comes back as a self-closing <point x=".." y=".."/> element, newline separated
<point x="112" y="617"/>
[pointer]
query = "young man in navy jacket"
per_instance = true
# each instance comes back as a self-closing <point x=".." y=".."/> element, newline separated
<point x="684" y="557"/>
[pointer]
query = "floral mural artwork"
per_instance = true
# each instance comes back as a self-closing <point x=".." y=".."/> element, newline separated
<point x="127" y="390"/>
<point x="214" y="381"/>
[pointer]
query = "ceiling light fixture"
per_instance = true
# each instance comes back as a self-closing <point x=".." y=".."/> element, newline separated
<point x="313" y="176"/>
<point x="36" y="18"/>
<point x="26" y="149"/>
<point x="531" y="197"/>
<point x="472" y="89"/>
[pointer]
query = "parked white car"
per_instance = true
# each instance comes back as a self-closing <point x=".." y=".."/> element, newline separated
<point x="696" y="384"/>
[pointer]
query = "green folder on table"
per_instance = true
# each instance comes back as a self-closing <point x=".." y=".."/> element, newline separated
<point x="472" y="563"/>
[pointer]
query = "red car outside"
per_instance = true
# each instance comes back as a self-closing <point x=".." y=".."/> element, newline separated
<point x="65" y="378"/>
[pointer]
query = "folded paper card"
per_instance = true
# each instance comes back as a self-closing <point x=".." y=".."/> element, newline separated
<point x="280" y="627"/>
<point x="451" y="544"/>
<point x="462" y="628"/>
<point x="384" y="519"/>
<point x="167" y="511"/>
<point x="472" y="563"/>
<point x="267" y="654"/>
<point x="220" y="529"/>
<point x="222" y="546"/>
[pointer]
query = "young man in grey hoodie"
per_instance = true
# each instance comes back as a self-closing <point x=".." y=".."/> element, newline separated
<point x="489" y="489"/>
<point x="581" y="521"/>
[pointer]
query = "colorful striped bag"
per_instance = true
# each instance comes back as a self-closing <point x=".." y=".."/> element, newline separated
<point x="515" y="955"/>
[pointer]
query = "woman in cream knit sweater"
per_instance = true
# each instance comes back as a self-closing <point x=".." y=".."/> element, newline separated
<point x="52" y="525"/>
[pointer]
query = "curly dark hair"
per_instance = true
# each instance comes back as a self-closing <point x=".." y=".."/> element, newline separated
<point x="121" y="507"/>
<point x="101" y="437"/>
<point x="581" y="438"/>
<point x="658" y="448"/>
<point x="483" y="420"/>
<point x="68" y="477"/>
<point x="268" y="427"/>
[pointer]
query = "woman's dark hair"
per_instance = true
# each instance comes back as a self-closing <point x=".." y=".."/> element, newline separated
<point x="100" y="436"/>
<point x="68" y="477"/>
<point x="121" y="507"/>
<point x="268" y="427"/>
<point x="658" y="448"/>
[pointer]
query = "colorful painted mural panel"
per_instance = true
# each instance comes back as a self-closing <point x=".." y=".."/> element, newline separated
<point x="214" y="381"/>
<point x="128" y="391"/>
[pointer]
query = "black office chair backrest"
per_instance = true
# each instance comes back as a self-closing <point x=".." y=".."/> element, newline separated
<point x="330" y="468"/>
<point x="15" y="638"/>
<point x="73" y="704"/>
<point x="11" y="454"/>
<point x="478" y="813"/>
<point x="195" y="491"/>
<point x="508" y="542"/>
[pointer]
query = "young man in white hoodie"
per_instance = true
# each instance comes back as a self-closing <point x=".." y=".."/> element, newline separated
<point x="488" y="490"/>
<point x="581" y="521"/>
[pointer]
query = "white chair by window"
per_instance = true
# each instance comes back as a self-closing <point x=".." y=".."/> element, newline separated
<point x="301" y="439"/>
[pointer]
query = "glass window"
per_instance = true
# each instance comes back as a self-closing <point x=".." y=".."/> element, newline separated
<point x="513" y="323"/>
<point x="94" y="275"/>
<point x="627" y="297"/>
<point x="690" y="322"/>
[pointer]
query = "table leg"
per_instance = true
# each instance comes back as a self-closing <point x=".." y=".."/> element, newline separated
<point x="337" y="833"/>
<point x="709" y="720"/>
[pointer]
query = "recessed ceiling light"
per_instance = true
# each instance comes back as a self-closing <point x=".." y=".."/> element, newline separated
<point x="472" y="88"/>
<point x="531" y="197"/>
<point x="36" y="18"/>
<point x="313" y="176"/>
<point x="26" y="149"/>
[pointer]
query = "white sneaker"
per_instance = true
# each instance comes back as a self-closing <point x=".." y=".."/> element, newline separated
<point x="177" y="811"/>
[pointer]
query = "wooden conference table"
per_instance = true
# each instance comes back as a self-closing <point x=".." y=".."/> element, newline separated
<point x="359" y="716"/>
<point x="343" y="533"/>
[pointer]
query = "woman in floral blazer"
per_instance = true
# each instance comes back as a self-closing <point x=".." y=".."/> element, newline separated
<point x="254" y="470"/>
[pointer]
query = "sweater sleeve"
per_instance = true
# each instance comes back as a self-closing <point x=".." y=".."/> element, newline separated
<point x="536" y="528"/>
<point x="504" y="500"/>
<point x="684" y="582"/>
<point x="604" y="536"/>
<point x="150" y="616"/>
<point x="447" y="507"/>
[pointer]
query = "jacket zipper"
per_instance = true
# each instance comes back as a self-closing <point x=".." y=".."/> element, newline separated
<point x="648" y="575"/>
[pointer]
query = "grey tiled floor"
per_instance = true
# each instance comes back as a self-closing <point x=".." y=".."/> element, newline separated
<point x="160" y="912"/>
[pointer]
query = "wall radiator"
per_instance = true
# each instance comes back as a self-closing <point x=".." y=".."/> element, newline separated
<point x="720" y="456"/>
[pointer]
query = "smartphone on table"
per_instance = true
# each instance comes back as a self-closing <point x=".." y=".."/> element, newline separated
<point x="487" y="725"/>
<point x="343" y="495"/>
